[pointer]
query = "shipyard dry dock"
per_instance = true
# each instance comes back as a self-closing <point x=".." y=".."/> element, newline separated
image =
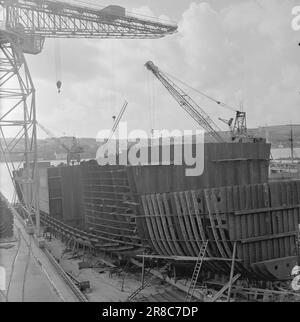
<point x="156" y="212"/>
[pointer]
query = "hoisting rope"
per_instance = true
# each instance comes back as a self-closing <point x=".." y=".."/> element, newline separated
<point x="57" y="61"/>
<point x="218" y="102"/>
<point x="113" y="80"/>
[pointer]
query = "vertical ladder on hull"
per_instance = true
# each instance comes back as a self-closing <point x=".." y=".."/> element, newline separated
<point x="196" y="272"/>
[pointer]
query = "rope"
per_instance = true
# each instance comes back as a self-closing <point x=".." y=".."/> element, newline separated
<point x="57" y="59"/>
<point x="152" y="110"/>
<point x="113" y="79"/>
<point x="218" y="102"/>
<point x="148" y="91"/>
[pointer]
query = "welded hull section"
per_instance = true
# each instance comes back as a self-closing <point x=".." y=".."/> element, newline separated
<point x="111" y="193"/>
<point x="225" y="164"/>
<point x="263" y="219"/>
<point x="109" y="206"/>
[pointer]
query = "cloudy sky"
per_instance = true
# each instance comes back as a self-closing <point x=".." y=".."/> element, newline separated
<point x="241" y="52"/>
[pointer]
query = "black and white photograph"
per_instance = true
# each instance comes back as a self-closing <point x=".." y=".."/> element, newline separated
<point x="149" y="154"/>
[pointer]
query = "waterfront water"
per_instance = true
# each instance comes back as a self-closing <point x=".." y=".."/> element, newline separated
<point x="6" y="186"/>
<point x="285" y="153"/>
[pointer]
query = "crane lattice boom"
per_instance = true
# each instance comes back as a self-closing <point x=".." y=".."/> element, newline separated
<point x="187" y="103"/>
<point x="73" y="152"/>
<point x="40" y="19"/>
<point x="52" y="136"/>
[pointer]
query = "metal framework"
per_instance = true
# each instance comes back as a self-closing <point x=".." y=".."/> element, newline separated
<point x="73" y="152"/>
<point x="53" y="19"/>
<point x="239" y="129"/>
<point x="24" y="26"/>
<point x="187" y="103"/>
<point x="18" y="139"/>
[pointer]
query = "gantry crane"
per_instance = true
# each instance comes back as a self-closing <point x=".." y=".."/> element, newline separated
<point x="73" y="152"/>
<point x="187" y="103"/>
<point x="24" y="26"/>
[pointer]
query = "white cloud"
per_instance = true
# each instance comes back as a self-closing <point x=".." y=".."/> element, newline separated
<point x="244" y="51"/>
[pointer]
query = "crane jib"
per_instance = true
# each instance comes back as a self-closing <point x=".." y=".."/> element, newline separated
<point x="187" y="103"/>
<point x="52" y="19"/>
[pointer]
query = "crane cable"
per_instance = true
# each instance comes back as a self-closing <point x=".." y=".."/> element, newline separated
<point x="153" y="104"/>
<point x="113" y="79"/>
<point x="150" y="90"/>
<point x="147" y="90"/>
<point x="57" y="62"/>
<point x="218" y="102"/>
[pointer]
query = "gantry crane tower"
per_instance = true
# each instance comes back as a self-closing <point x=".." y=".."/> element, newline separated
<point x="24" y="26"/>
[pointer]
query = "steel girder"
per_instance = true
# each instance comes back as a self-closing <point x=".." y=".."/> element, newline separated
<point x="59" y="19"/>
<point x="18" y="136"/>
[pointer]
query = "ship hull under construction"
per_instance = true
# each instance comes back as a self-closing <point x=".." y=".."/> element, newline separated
<point x="127" y="209"/>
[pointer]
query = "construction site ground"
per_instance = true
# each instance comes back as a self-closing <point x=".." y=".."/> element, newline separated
<point x="107" y="287"/>
<point x="37" y="286"/>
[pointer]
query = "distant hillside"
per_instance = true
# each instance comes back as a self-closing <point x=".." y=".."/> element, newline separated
<point x="279" y="135"/>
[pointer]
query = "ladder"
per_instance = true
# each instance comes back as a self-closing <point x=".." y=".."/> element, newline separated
<point x="137" y="291"/>
<point x="196" y="272"/>
<point x="143" y="286"/>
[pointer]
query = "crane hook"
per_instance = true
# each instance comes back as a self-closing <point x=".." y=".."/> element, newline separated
<point x="58" y="85"/>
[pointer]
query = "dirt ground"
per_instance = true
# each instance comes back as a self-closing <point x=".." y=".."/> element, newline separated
<point x="104" y="288"/>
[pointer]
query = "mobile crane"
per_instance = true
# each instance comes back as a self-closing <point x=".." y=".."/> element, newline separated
<point x="238" y="126"/>
<point x="73" y="153"/>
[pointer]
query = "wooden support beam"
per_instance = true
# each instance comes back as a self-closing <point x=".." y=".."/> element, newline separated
<point x="188" y="258"/>
<point x="231" y="272"/>
<point x="225" y="288"/>
<point x="268" y="237"/>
